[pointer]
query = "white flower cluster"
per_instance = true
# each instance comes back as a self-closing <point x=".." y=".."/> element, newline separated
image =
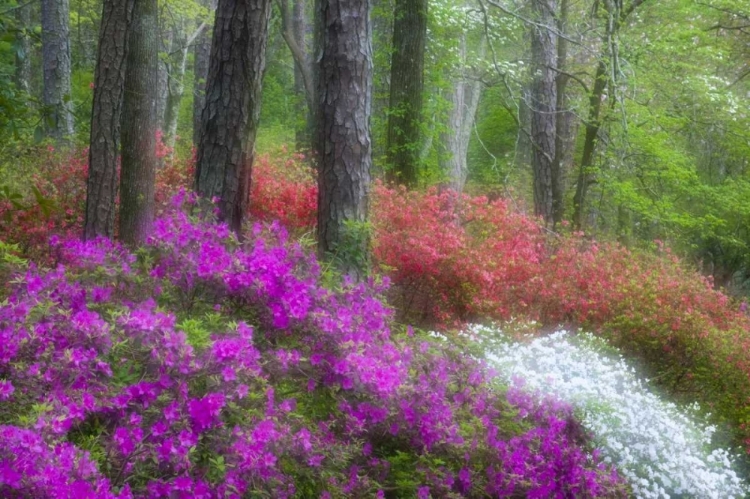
<point x="662" y="451"/>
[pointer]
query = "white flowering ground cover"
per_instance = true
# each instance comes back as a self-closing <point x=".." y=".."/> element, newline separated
<point x="659" y="448"/>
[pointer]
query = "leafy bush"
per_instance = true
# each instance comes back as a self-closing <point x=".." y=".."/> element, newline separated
<point x="197" y="367"/>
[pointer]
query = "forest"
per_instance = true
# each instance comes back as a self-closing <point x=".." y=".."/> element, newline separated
<point x="374" y="248"/>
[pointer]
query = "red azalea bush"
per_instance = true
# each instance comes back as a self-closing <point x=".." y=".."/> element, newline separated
<point x="284" y="190"/>
<point x="53" y="203"/>
<point x="54" y="200"/>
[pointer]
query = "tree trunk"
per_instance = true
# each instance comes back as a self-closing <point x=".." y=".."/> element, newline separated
<point x="589" y="145"/>
<point x="454" y="142"/>
<point x="233" y="95"/>
<point x="164" y="69"/>
<point x="344" y="142"/>
<point x="109" y="80"/>
<point x="176" y="85"/>
<point x="56" y="64"/>
<point x="407" y="86"/>
<point x="23" y="52"/>
<point x="302" y="72"/>
<point x="564" y="120"/>
<point x="202" y="53"/>
<point x="139" y="122"/>
<point x="543" y="108"/>
<point x="294" y="31"/>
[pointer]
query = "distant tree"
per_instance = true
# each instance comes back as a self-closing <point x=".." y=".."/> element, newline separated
<point x="407" y="85"/>
<point x="23" y="47"/>
<point x="343" y="128"/>
<point x="201" y="56"/>
<point x="294" y="30"/>
<point x="139" y="125"/>
<point x="56" y="67"/>
<point x="229" y="121"/>
<point x="109" y="80"/>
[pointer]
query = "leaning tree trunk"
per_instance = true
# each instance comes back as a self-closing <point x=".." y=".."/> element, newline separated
<point x="593" y="123"/>
<point x="344" y="142"/>
<point x="302" y="72"/>
<point x="139" y="122"/>
<point x="543" y="107"/>
<point x="233" y="95"/>
<point x="56" y="65"/>
<point x="176" y="86"/>
<point x="109" y="80"/>
<point x="23" y="50"/>
<point x="294" y="30"/>
<point x="407" y="85"/>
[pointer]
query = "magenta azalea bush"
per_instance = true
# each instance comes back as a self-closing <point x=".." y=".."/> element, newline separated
<point x="199" y="367"/>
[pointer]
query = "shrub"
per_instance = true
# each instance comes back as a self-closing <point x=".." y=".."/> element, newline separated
<point x="659" y="448"/>
<point x="242" y="374"/>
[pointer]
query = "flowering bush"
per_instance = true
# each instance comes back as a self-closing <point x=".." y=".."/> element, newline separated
<point x="284" y="190"/>
<point x="659" y="449"/>
<point x="258" y="380"/>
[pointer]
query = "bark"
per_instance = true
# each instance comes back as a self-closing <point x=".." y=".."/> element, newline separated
<point x="56" y="66"/>
<point x="344" y="142"/>
<point x="23" y="53"/>
<point x="454" y="143"/>
<point x="407" y="86"/>
<point x="202" y="53"/>
<point x="543" y="108"/>
<point x="230" y="118"/>
<point x="109" y="80"/>
<point x="139" y="124"/>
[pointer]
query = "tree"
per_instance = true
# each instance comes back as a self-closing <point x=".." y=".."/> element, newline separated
<point x="229" y="121"/>
<point x="616" y="13"/>
<point x="23" y="47"/>
<point x="139" y="125"/>
<point x="407" y="85"/>
<point x="543" y="108"/>
<point x="464" y="101"/>
<point x="201" y="56"/>
<point x="344" y="142"/>
<point x="294" y="30"/>
<point x="109" y="80"/>
<point x="176" y="81"/>
<point x="56" y="67"/>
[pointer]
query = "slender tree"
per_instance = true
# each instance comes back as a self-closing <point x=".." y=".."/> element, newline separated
<point x="543" y="108"/>
<point x="229" y="121"/>
<point x="344" y="142"/>
<point x="201" y="56"/>
<point x="454" y="140"/>
<point x="139" y="122"/>
<point x="407" y="85"/>
<point x="176" y="82"/>
<point x="56" y="66"/>
<point x="109" y="80"/>
<point x="294" y="30"/>
<point x="23" y="47"/>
